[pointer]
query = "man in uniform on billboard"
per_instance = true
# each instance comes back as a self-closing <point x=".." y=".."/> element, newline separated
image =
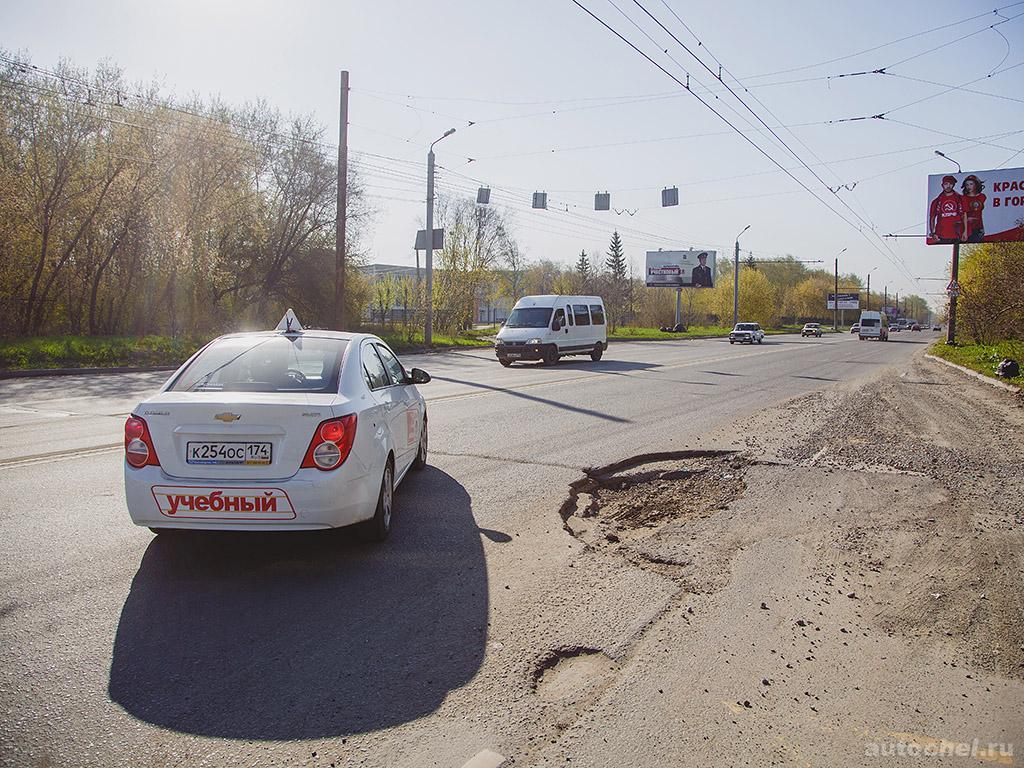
<point x="701" y="275"/>
<point x="947" y="217"/>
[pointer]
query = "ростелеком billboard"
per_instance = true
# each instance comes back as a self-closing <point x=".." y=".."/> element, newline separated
<point x="976" y="207"/>
<point x="680" y="269"/>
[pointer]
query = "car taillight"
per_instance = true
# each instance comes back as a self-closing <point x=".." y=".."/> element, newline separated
<point x="331" y="443"/>
<point x="138" y="444"/>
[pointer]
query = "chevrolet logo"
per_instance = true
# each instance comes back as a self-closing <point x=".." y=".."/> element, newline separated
<point x="227" y="417"/>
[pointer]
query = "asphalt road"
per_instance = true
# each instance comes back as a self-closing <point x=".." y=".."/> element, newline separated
<point x="120" y="648"/>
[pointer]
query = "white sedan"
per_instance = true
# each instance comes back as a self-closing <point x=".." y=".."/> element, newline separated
<point x="285" y="429"/>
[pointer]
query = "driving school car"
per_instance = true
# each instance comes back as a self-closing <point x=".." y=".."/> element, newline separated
<point x="285" y="429"/>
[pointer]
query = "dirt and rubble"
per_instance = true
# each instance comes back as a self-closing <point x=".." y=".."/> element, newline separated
<point x="846" y="577"/>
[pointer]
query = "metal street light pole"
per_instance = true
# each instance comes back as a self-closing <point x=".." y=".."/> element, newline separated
<point x="835" y="296"/>
<point x="428" y="330"/>
<point x="868" y="302"/>
<point x="943" y="154"/>
<point x="736" y="280"/>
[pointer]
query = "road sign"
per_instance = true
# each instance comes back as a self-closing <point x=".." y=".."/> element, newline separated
<point x="421" y="240"/>
<point x="954" y="289"/>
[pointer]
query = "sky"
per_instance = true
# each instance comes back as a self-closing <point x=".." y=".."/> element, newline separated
<point x="545" y="98"/>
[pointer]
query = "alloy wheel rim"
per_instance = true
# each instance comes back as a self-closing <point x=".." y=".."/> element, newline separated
<point x="387" y="498"/>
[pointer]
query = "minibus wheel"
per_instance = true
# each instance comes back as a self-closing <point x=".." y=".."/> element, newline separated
<point x="551" y="355"/>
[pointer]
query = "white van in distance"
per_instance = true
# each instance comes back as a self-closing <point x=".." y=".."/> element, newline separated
<point x="549" y="327"/>
<point x="873" y="325"/>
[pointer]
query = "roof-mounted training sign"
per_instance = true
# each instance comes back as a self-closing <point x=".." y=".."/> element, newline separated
<point x="289" y="323"/>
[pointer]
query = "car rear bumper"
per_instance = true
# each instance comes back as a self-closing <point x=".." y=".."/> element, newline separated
<point x="309" y="500"/>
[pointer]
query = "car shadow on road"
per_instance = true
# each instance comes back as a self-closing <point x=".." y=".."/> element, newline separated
<point x="306" y="635"/>
<point x="534" y="398"/>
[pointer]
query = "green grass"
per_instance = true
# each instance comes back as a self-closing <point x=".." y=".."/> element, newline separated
<point x="401" y="341"/>
<point x="982" y="358"/>
<point x="94" y="351"/>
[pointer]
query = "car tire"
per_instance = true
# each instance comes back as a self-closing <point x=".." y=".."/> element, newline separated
<point x="378" y="527"/>
<point x="551" y="355"/>
<point x="421" y="454"/>
<point x="505" y="361"/>
<point x="760" y="341"/>
<point x="598" y="351"/>
<point x="731" y="341"/>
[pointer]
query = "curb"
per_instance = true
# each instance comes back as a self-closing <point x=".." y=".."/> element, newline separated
<point x="36" y="372"/>
<point x="980" y="376"/>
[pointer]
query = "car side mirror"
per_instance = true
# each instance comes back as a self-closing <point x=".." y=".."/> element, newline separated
<point x="419" y="376"/>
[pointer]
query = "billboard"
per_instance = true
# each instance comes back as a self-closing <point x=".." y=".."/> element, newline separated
<point x="976" y="207"/>
<point x="846" y="301"/>
<point x="680" y="269"/>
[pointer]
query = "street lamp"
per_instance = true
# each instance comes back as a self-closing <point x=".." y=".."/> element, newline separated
<point x="835" y="296"/>
<point x="869" y="286"/>
<point x="428" y="330"/>
<point x="736" y="279"/>
<point x="943" y="154"/>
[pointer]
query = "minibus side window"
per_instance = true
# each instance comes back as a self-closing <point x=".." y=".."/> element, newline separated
<point x="559" y="318"/>
<point x="582" y="314"/>
<point x="597" y="314"/>
<point x="568" y="313"/>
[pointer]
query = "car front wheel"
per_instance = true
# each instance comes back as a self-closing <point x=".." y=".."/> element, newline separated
<point x="551" y="355"/>
<point x="505" y="361"/>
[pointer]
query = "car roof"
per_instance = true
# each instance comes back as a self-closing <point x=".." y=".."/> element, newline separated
<point x="308" y="334"/>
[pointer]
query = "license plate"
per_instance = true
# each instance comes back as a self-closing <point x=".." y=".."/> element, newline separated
<point x="228" y="453"/>
<point x="511" y="355"/>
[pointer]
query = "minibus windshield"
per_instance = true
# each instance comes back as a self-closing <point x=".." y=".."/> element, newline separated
<point x="529" y="317"/>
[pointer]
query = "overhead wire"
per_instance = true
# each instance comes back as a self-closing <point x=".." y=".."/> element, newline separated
<point x="884" y="250"/>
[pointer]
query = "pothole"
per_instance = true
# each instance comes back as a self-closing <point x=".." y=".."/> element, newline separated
<point x="635" y="498"/>
<point x="567" y="673"/>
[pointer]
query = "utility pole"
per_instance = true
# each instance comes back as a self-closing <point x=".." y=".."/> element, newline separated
<point x="679" y="305"/>
<point x="835" y="300"/>
<point x="736" y="280"/>
<point x="885" y="301"/>
<point x="341" y="213"/>
<point x="428" y="330"/>
<point x="869" y="291"/>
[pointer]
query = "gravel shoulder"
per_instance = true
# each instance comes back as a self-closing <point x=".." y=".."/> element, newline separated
<point x="846" y="591"/>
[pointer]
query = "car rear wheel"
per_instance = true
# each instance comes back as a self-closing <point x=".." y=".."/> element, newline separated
<point x="421" y="455"/>
<point x="378" y="527"/>
<point x="551" y="355"/>
<point x="598" y="351"/>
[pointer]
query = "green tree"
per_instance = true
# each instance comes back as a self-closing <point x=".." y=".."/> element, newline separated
<point x="616" y="261"/>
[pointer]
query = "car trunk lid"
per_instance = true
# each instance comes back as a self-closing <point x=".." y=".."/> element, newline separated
<point x="247" y="436"/>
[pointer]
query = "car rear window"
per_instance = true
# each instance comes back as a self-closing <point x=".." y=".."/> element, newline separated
<point x="265" y="364"/>
<point x="868" y="322"/>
